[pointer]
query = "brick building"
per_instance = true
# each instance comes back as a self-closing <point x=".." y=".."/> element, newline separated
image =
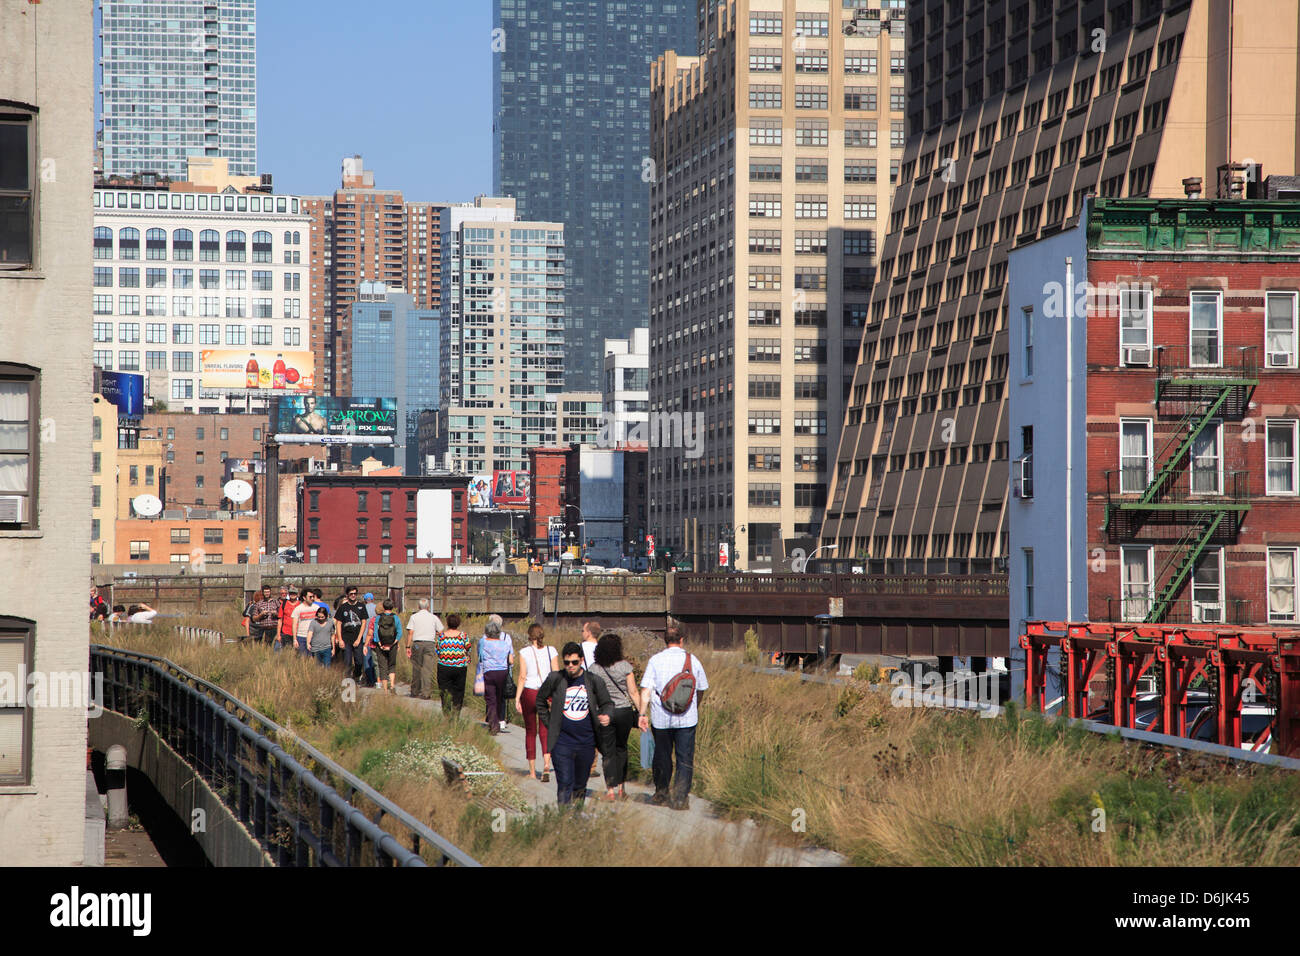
<point x="547" y="466"/>
<point x="200" y="538"/>
<point x="374" y="519"/>
<point x="1161" y="483"/>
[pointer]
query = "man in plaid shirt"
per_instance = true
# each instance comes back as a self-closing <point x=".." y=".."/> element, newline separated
<point x="265" y="618"/>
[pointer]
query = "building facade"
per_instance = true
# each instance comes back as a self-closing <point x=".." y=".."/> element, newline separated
<point x="625" y="398"/>
<point x="773" y="154"/>
<point x="195" y="537"/>
<point x="1012" y="124"/>
<point x="179" y="80"/>
<point x="1182" y="482"/>
<point x="395" y="352"/>
<point x="354" y="519"/>
<point x="46" y="89"/>
<point x="180" y="273"/>
<point x="571" y="144"/>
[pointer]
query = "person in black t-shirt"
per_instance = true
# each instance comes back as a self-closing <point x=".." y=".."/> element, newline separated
<point x="350" y="621"/>
<point x="572" y="703"/>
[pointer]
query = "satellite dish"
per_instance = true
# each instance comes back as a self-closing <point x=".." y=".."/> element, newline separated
<point x="238" y="491"/>
<point x="146" y="505"/>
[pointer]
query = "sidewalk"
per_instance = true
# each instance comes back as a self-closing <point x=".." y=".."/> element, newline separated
<point x="737" y="844"/>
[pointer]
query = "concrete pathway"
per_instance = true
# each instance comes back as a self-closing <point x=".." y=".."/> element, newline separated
<point x="737" y="843"/>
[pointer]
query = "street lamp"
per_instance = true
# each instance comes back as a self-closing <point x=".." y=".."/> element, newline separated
<point x="824" y="547"/>
<point x="582" y="523"/>
<point x="555" y="619"/>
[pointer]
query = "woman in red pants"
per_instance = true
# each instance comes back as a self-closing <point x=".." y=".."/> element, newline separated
<point x="536" y="661"/>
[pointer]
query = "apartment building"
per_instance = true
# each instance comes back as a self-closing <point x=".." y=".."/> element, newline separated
<point x="774" y="151"/>
<point x="46" y="88"/>
<point x="180" y="273"/>
<point x="196" y="537"/>
<point x="625" y="397"/>
<point x="179" y="80"/>
<point x="1017" y="112"/>
<point x="320" y="292"/>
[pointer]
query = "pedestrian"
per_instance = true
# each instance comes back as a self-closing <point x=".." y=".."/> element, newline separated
<point x="536" y="662"/>
<point x="350" y="621"/>
<point x="422" y="630"/>
<point x="384" y="633"/>
<point x="453" y="665"/>
<point x="669" y="675"/>
<point x="141" y="614"/>
<point x="320" y="640"/>
<point x="266" y="616"/>
<point x="590" y="635"/>
<point x="616" y="673"/>
<point x="98" y="606"/>
<point x="304" y="615"/>
<point x="247" y="620"/>
<point x="496" y="654"/>
<point x="368" y="668"/>
<point x="511" y="689"/>
<point x="286" y="629"/>
<point x="118" y="615"/>
<point x="573" y="704"/>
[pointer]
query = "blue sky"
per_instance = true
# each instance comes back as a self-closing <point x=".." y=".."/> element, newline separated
<point x="406" y="83"/>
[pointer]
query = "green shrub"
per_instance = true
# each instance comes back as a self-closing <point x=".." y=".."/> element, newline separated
<point x="753" y="655"/>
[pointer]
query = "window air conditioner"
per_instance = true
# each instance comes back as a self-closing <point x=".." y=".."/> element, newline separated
<point x="11" y="509"/>
<point x="1279" y="359"/>
<point x="1211" y="613"/>
<point x="1024" y="484"/>
<point x="1137" y="356"/>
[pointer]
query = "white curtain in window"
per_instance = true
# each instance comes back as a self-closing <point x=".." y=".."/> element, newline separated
<point x="1205" y="462"/>
<point x="1279" y="335"/>
<point x="1281" y="455"/>
<point x="1133" y="453"/>
<point x="13" y="402"/>
<point x="1136" y="591"/>
<point x="1281" y="584"/>
<point x="11" y="743"/>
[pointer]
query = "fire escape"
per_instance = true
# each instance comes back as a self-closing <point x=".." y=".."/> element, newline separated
<point x="1201" y="396"/>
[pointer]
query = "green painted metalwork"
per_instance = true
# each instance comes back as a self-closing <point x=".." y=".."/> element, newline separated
<point x="1190" y="555"/>
<point x="1197" y="426"/>
<point x="1217" y="227"/>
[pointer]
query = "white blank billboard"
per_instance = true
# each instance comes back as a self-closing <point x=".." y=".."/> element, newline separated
<point x="433" y="523"/>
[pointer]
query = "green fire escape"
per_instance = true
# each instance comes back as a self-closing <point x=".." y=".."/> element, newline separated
<point x="1204" y="396"/>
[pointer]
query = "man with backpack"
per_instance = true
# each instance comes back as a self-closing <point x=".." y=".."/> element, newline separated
<point x="676" y="683"/>
<point x="384" y="631"/>
<point x="350" y="621"/>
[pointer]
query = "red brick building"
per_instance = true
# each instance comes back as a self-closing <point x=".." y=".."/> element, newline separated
<point x="1188" y="423"/>
<point x="547" y="466"/>
<point x="354" y="519"/>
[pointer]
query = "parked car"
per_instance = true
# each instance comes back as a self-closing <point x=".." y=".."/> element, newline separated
<point x="1148" y="708"/>
<point x="1256" y="727"/>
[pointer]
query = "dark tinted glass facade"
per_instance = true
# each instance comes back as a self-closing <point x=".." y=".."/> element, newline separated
<point x="571" y="144"/>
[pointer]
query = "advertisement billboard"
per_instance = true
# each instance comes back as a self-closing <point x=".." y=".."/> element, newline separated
<point x="336" y="415"/>
<point x="243" y="370"/>
<point x="511" y="489"/>
<point x="125" y="390"/>
<point x="433" y="523"/>
<point x="480" y="493"/>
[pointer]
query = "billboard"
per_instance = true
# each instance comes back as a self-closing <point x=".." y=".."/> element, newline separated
<point x="336" y="415"/>
<point x="242" y="370"/>
<point x="511" y="489"/>
<point x="125" y="390"/>
<point x="433" y="523"/>
<point x="480" y="493"/>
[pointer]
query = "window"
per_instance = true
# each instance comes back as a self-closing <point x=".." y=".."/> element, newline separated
<point x="860" y="133"/>
<point x="1136" y="584"/>
<point x="764" y="495"/>
<point x="813" y="62"/>
<point x="810" y="97"/>
<point x="213" y="535"/>
<point x="859" y="98"/>
<point x="313" y="528"/>
<point x="386" y="501"/>
<point x="103" y="242"/>
<point x="139" y="550"/>
<point x="1135" y="456"/>
<point x="1135" y="327"/>
<point x="1280" y="329"/>
<point x="19" y="414"/>
<point x="1207" y="460"/>
<point x="1029" y="583"/>
<point x="1280" y="452"/>
<point x="236" y="248"/>
<point x="155" y="244"/>
<point x="180" y="535"/>
<point x="765" y="171"/>
<point x="16" y="657"/>
<point x="765" y="61"/>
<point x="182" y="245"/>
<point x="812" y="133"/>
<point x="261" y="247"/>
<point x="362" y="497"/>
<point x="1207" y="588"/>
<point x="1281" y="584"/>
<point x="1206" y="328"/>
<point x="765" y="96"/>
<point x="128" y="243"/>
<point x="1028" y="331"/>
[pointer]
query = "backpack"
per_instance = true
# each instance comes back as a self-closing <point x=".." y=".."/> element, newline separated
<point x="385" y="629"/>
<point x="678" y="693"/>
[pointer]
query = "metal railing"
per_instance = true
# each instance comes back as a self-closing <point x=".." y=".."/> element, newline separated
<point x="301" y="807"/>
<point x="1234" y="611"/>
<point x="1208" y="361"/>
<point x="938" y="585"/>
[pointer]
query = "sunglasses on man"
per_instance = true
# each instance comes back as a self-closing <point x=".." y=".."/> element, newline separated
<point x="573" y="663"/>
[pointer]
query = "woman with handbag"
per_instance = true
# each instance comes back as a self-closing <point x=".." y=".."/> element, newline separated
<point x="616" y="673"/>
<point x="536" y="662"/>
<point x="453" y="665"/>
<point x="495" y="656"/>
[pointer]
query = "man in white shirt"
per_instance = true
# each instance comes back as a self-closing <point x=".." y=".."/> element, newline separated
<point x="142" y="614"/>
<point x="672" y="732"/>
<point x="422" y="630"/>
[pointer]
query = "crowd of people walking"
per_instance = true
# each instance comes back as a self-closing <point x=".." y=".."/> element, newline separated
<point x="578" y="704"/>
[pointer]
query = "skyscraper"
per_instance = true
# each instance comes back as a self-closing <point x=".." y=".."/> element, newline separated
<point x="775" y="152"/>
<point x="1012" y="122"/>
<point x="571" y="144"/>
<point x="179" y="79"/>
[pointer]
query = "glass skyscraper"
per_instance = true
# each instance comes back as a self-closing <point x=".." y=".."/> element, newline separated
<point x="395" y="353"/>
<point x="179" y="80"/>
<point x="571" y="142"/>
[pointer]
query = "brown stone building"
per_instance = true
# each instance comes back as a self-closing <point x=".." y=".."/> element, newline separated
<point x="194" y="540"/>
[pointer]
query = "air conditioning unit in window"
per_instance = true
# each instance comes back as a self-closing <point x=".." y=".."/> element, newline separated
<point x="1137" y="356"/>
<point x="11" y="509"/>
<point x="1023" y="485"/>
<point x="1279" y="359"/>
<point x="1211" y="613"/>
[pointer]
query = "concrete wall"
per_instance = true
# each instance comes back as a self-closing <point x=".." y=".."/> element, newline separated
<point x="46" y="59"/>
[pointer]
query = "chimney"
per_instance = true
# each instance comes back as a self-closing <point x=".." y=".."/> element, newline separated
<point x="1192" y="187"/>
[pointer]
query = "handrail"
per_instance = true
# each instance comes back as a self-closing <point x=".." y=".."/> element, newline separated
<point x="259" y="731"/>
